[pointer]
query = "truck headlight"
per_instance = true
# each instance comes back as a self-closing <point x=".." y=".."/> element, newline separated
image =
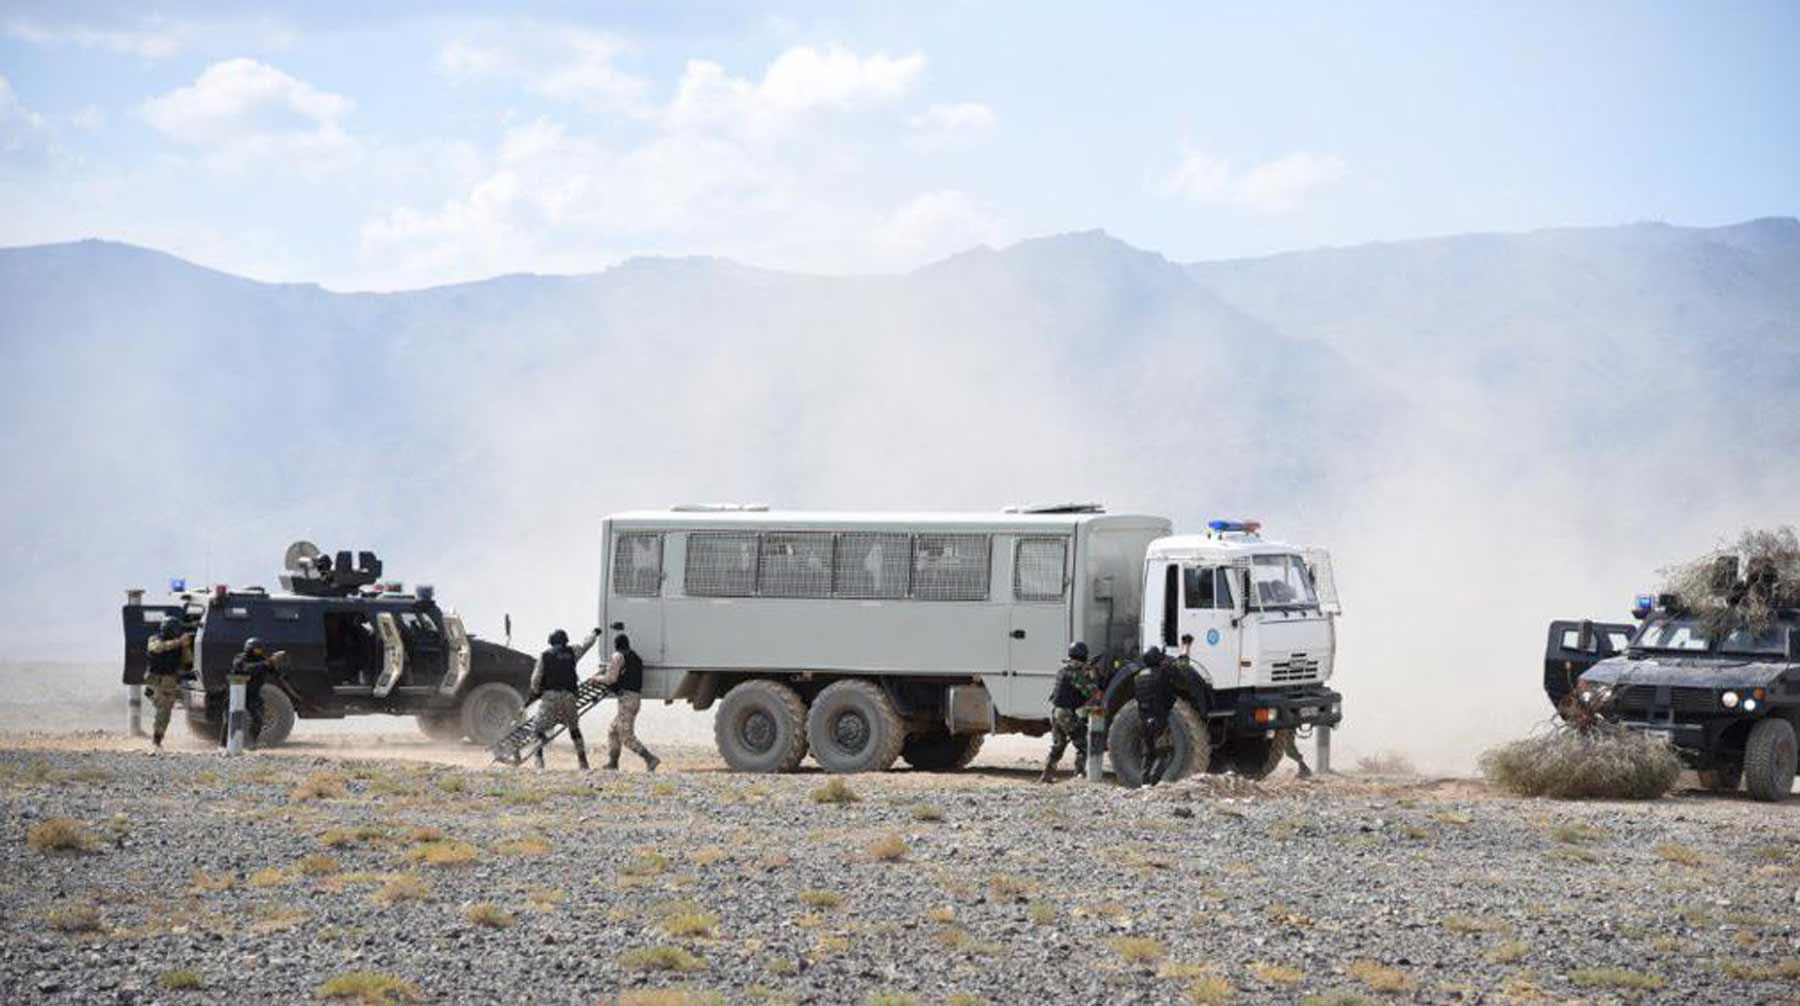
<point x="1749" y="705"/>
<point x="1730" y="700"/>
<point x="1587" y="696"/>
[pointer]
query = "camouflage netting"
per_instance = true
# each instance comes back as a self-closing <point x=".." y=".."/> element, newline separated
<point x="1599" y="761"/>
<point x="1740" y="585"/>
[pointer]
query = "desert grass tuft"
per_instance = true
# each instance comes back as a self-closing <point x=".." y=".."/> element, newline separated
<point x="822" y="900"/>
<point x="1379" y="977"/>
<point x="835" y="791"/>
<point x="402" y="887"/>
<point x="443" y="853"/>
<point x="889" y="848"/>
<point x="59" y="834"/>
<point x="320" y="786"/>
<point x="1596" y="762"/>
<point x="488" y="914"/>
<point x="180" y="980"/>
<point x="1385" y="763"/>
<point x="927" y="813"/>
<point x="74" y="918"/>
<point x="1277" y="974"/>
<point x="660" y="958"/>
<point x="371" y="988"/>
<point x="1139" y="949"/>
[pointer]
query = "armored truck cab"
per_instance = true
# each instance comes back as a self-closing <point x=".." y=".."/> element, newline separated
<point x="862" y="638"/>
<point x="350" y="646"/>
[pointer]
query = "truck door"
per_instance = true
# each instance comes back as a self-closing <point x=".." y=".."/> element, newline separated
<point x="141" y="622"/>
<point x="1207" y="613"/>
<point x="1573" y="647"/>
<point x="425" y="650"/>
<point x="1039" y="636"/>
<point x="393" y="654"/>
<point x="461" y="654"/>
<point x="634" y="592"/>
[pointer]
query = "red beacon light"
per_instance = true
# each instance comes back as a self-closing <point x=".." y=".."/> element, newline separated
<point x="219" y="592"/>
<point x="1234" y="526"/>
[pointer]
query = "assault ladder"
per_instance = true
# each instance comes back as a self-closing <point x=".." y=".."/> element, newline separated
<point x="521" y="742"/>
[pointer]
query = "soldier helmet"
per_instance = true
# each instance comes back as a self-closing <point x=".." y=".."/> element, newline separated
<point x="253" y="645"/>
<point x="1078" y="650"/>
<point x="1153" y="657"/>
<point x="559" y="638"/>
<point x="621" y="642"/>
<point x="169" y="629"/>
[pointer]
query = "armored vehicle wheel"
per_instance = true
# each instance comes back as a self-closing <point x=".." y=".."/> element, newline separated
<point x="445" y="725"/>
<point x="1187" y="732"/>
<point x="1254" y="757"/>
<point x="941" y="752"/>
<point x="1769" y="760"/>
<point x="852" y="727"/>
<point x="489" y="711"/>
<point x="761" y="727"/>
<point x="278" y="717"/>
<point x="1721" y="780"/>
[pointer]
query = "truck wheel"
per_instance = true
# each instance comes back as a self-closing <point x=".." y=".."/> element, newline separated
<point x="1187" y="733"/>
<point x="761" y="727"/>
<point x="1769" y="760"/>
<point x="278" y="717"/>
<point x="444" y="725"/>
<point x="1255" y="757"/>
<point x="489" y="711"/>
<point x="941" y="752"/>
<point x="1721" y="780"/>
<point x="852" y="727"/>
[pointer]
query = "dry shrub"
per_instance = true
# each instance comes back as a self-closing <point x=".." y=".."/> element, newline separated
<point x="1385" y="763"/>
<point x="1379" y="977"/>
<point x="927" y="813"/>
<point x="268" y="876"/>
<point x="671" y="997"/>
<point x="320" y="786"/>
<point x="76" y="918"/>
<point x="821" y="899"/>
<point x="1277" y="974"/>
<point x="660" y="958"/>
<point x="1600" y="762"/>
<point x="1140" y="949"/>
<point x="835" y="791"/>
<point x="1210" y="990"/>
<point x="523" y="845"/>
<point x="1693" y="583"/>
<point x="686" y="919"/>
<point x="369" y="987"/>
<point x="318" y="865"/>
<point x="59" y="834"/>
<point x="402" y="887"/>
<point x="645" y="864"/>
<point x="486" y="913"/>
<point x="180" y="980"/>
<point x="889" y="848"/>
<point x="442" y="853"/>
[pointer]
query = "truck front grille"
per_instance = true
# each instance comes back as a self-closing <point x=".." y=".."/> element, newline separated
<point x="1641" y="699"/>
<point x="1295" y="668"/>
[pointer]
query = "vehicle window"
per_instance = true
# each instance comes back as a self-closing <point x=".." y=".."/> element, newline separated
<point x="427" y="623"/>
<point x="156" y="617"/>
<point x="721" y="565"/>
<point x="795" y="565"/>
<point x="1038" y="569"/>
<point x="637" y="565"/>
<point x="1771" y="641"/>
<point x="1571" y="639"/>
<point x="417" y="626"/>
<point x="1619" y="640"/>
<point x="1669" y="634"/>
<point x="871" y="565"/>
<point x="950" y="567"/>
<point x="1281" y="581"/>
<point x="1205" y="587"/>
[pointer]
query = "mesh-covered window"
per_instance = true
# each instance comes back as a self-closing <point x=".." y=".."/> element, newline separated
<point x="950" y="567"/>
<point x="1038" y="569"/>
<point x="637" y="565"/>
<point x="871" y="565"/>
<point x="721" y="565"/>
<point x="795" y="565"/>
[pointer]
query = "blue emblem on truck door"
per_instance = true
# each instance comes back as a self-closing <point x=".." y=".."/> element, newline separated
<point x="1212" y="637"/>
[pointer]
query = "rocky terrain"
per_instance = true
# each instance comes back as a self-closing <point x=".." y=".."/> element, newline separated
<point x="187" y="877"/>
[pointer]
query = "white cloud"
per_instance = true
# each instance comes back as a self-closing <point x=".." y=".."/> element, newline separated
<point x="558" y="62"/>
<point x="241" y="110"/>
<point x="963" y="116"/>
<point x="23" y="133"/>
<point x="800" y="80"/>
<point x="151" y="39"/>
<point x="1276" y="186"/>
<point x="88" y="117"/>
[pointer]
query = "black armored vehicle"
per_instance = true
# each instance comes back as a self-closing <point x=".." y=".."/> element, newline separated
<point x="1721" y="682"/>
<point x="352" y="645"/>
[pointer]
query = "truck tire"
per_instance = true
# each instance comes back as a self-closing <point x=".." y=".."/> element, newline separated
<point x="1254" y="757"/>
<point x="852" y="727"/>
<point x="1721" y="780"/>
<point x="443" y="725"/>
<point x="278" y="717"/>
<point x="1769" y="760"/>
<point x="489" y="711"/>
<point x="941" y="752"/>
<point x="761" y="727"/>
<point x="1187" y="732"/>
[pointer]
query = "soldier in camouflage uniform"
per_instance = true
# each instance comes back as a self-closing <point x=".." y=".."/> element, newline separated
<point x="1077" y="688"/>
<point x="625" y="676"/>
<point x="163" y="682"/>
<point x="554" y="684"/>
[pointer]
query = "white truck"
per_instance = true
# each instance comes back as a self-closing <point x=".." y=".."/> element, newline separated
<point x="865" y="637"/>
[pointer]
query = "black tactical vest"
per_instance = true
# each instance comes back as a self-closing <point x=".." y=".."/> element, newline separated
<point x="631" y="678"/>
<point x="1155" y="692"/>
<point x="559" y="670"/>
<point x="166" y="662"/>
<point x="1067" y="696"/>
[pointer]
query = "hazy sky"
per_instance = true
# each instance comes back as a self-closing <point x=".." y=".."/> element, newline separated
<point x="393" y="145"/>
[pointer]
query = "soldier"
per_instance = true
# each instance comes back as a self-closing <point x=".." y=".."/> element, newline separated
<point x="1155" y="699"/>
<point x="1076" y="688"/>
<point x="1292" y="750"/>
<point x="163" y="682"/>
<point x="554" y="684"/>
<point x="625" y="676"/>
<point x="253" y="664"/>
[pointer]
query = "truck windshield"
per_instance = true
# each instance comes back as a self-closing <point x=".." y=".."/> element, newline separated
<point x="1672" y="634"/>
<point x="1281" y="581"/>
<point x="1770" y="642"/>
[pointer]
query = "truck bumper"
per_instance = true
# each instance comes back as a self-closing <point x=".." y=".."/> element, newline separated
<point x="1302" y="706"/>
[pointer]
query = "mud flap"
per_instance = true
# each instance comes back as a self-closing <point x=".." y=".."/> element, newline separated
<point x="461" y="653"/>
<point x="393" y="654"/>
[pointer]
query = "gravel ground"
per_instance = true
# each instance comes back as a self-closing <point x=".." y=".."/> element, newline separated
<point x="262" y="877"/>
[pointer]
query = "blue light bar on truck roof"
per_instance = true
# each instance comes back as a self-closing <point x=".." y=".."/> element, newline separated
<point x="1244" y="526"/>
